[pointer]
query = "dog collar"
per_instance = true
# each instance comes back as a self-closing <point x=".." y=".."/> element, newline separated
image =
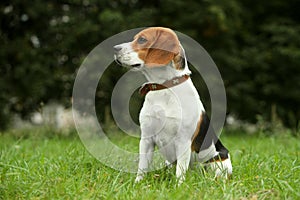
<point x="167" y="84"/>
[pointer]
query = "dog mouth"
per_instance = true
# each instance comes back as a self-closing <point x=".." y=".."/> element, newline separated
<point x="136" y="66"/>
<point x="118" y="61"/>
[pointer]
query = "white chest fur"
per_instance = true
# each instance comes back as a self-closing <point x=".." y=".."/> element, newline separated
<point x="169" y="116"/>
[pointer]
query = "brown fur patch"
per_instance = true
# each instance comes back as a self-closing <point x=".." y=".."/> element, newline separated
<point x="161" y="47"/>
<point x="216" y="159"/>
<point x="197" y="131"/>
<point x="179" y="60"/>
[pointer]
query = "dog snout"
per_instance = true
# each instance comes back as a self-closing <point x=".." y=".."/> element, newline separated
<point x="117" y="48"/>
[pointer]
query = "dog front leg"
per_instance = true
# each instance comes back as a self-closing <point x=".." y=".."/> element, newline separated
<point x="183" y="161"/>
<point x="145" y="158"/>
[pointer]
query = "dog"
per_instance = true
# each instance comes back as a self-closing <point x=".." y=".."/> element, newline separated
<point x="172" y="117"/>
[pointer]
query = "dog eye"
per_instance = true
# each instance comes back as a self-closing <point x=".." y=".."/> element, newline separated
<point x="142" y="40"/>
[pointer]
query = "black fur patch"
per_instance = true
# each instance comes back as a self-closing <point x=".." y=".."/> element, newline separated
<point x="206" y="136"/>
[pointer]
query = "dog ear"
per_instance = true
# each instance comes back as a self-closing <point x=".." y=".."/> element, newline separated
<point x="180" y="60"/>
<point x="163" y="50"/>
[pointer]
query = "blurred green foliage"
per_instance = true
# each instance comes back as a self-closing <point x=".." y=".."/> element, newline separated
<point x="255" y="44"/>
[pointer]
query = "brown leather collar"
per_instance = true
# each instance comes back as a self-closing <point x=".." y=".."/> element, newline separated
<point x="167" y="84"/>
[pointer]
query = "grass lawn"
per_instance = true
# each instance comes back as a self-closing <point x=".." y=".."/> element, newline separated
<point x="35" y="167"/>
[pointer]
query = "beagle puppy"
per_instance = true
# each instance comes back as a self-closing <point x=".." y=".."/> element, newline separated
<point x="172" y="117"/>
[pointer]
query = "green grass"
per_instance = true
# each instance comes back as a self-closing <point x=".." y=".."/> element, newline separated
<point x="36" y="167"/>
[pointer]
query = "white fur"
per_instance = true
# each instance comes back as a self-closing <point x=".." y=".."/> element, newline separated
<point x="221" y="168"/>
<point x="168" y="118"/>
<point x="127" y="56"/>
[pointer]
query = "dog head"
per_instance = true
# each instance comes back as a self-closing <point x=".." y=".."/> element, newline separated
<point x="150" y="48"/>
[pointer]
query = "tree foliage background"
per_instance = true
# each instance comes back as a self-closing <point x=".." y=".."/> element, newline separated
<point x="254" y="43"/>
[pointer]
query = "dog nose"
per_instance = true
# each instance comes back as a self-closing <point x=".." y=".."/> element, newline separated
<point x="117" y="48"/>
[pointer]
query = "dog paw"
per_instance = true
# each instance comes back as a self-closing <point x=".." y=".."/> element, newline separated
<point x="138" y="179"/>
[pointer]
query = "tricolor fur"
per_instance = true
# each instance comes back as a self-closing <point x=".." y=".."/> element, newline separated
<point x="172" y="119"/>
